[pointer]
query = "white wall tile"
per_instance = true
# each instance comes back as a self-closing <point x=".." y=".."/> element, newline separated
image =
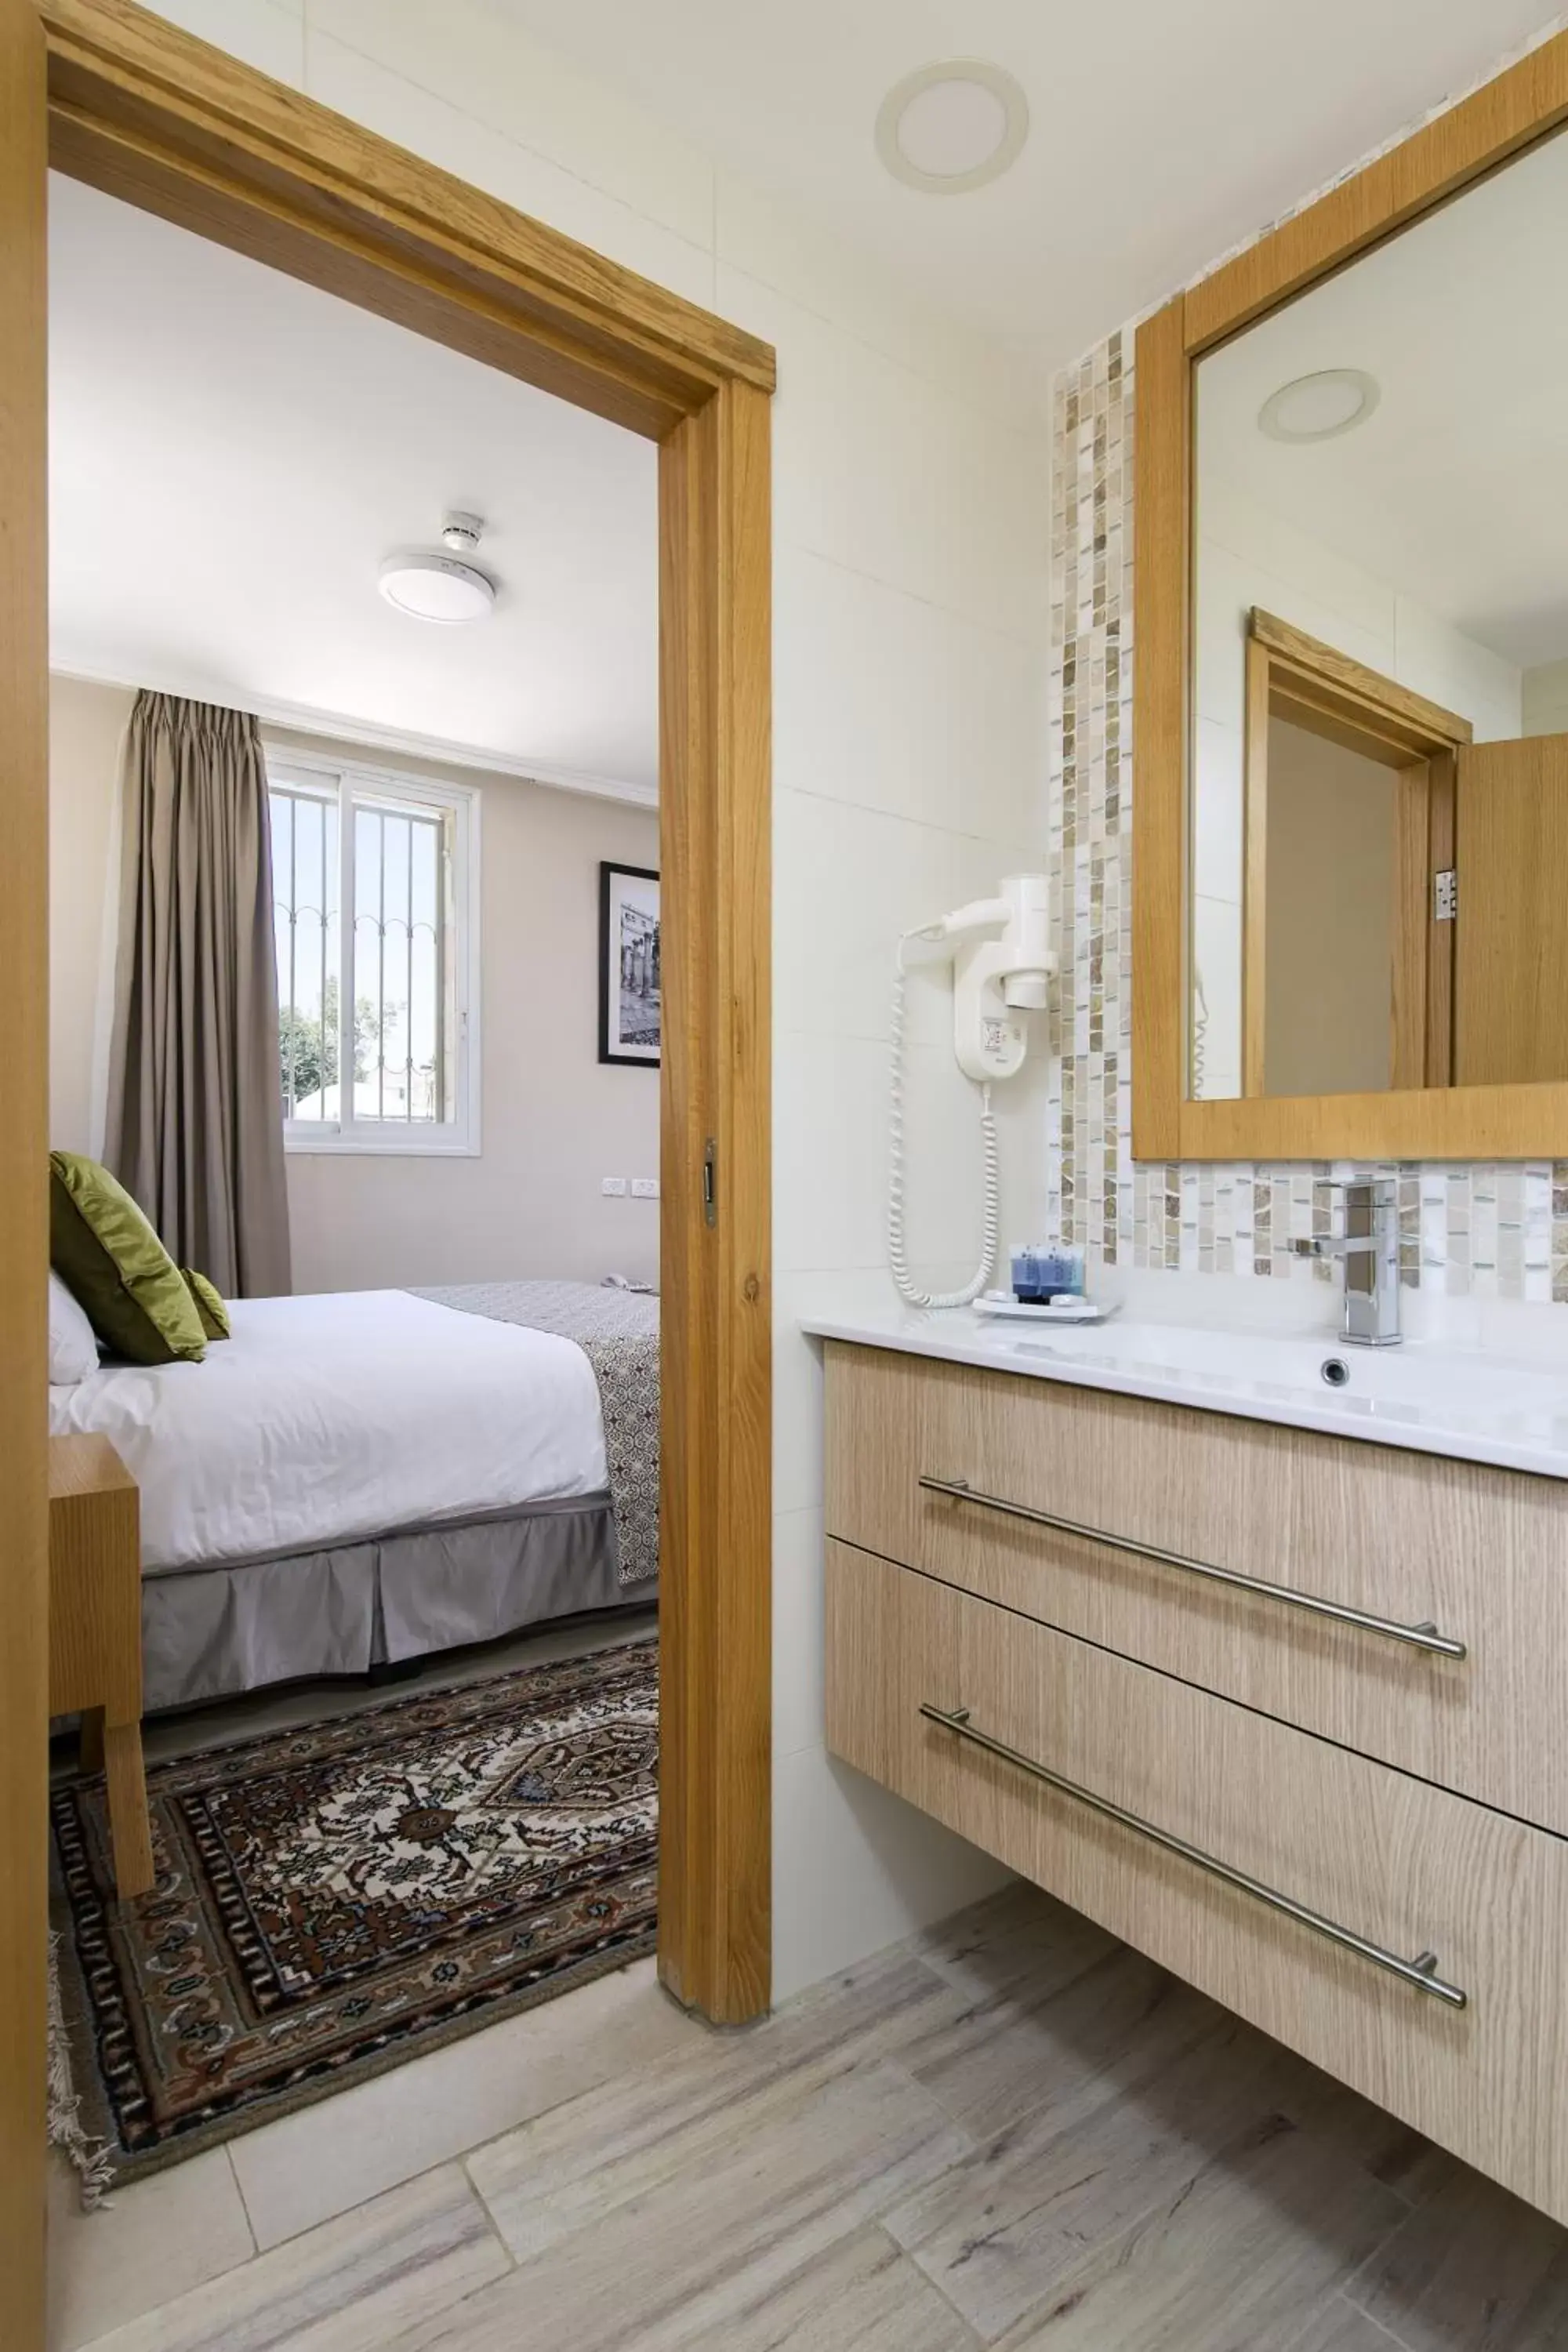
<point x="831" y="1109"/>
<point x="1265" y="542"/>
<point x="769" y="242"/>
<point x="267" y="34"/>
<point x="797" y="1396"/>
<point x="431" y="127"/>
<point x="1216" y="956"/>
<point x="886" y="473"/>
<point x="850" y="880"/>
<point x="799" y="1650"/>
<point x="498" y="74"/>
<point x="889" y="701"/>
<point x="1440" y="661"/>
<point x="1217" y="833"/>
<point x="830" y="1129"/>
<point x="855" y="1868"/>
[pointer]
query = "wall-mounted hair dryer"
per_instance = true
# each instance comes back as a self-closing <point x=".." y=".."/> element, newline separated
<point x="1003" y="968"/>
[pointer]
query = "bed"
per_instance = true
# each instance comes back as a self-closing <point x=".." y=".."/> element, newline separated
<point x="363" y="1477"/>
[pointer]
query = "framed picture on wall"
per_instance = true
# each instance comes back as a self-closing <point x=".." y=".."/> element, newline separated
<point x="628" y="965"/>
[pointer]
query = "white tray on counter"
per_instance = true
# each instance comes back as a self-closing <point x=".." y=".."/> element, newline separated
<point x="1060" y="1310"/>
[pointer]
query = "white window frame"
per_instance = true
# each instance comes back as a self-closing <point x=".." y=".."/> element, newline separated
<point x="325" y="778"/>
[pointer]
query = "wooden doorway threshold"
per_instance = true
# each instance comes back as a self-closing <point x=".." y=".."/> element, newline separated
<point x="109" y="94"/>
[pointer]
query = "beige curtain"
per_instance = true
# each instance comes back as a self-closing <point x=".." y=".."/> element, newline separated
<point x="195" y="1109"/>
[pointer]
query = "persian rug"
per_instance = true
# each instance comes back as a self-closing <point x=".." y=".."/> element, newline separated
<point x="334" y="1900"/>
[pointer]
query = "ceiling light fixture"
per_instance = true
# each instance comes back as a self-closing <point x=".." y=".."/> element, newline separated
<point x="952" y="126"/>
<point x="1319" y="407"/>
<point x="448" y="588"/>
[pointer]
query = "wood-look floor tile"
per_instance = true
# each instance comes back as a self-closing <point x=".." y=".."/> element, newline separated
<point x="1341" y="2328"/>
<point x="1367" y="2136"/>
<point x="792" y="2178"/>
<point x="1228" y="2263"/>
<point x="154" y="2239"/>
<point x="1003" y="2230"/>
<point x="622" y="2137"/>
<point x="860" y="2296"/>
<point x="1075" y="2045"/>
<point x="1020" y="1942"/>
<point x="1473" y="2270"/>
<point x="350" y="2285"/>
<point x="305" y="2169"/>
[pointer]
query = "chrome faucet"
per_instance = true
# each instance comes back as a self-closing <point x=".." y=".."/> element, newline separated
<point x="1370" y="1251"/>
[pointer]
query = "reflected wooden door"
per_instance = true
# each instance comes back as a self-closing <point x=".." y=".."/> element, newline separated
<point x="1510" y="935"/>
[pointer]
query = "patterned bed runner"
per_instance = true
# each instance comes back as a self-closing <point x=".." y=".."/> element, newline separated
<point x="617" y="1330"/>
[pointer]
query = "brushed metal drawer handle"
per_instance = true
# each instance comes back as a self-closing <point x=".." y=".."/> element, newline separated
<point x="1420" y="1974"/>
<point x="1415" y="1637"/>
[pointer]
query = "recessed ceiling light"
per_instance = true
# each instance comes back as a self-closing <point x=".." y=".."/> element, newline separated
<point x="428" y="586"/>
<point x="1319" y="407"/>
<point x="952" y="126"/>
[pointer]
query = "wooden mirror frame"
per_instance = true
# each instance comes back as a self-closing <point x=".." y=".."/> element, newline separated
<point x="1489" y="1122"/>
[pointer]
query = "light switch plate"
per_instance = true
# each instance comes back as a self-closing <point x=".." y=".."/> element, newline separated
<point x="616" y="1186"/>
<point x="645" y="1188"/>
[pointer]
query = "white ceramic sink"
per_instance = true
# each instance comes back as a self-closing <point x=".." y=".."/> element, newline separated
<point x="1424" y="1395"/>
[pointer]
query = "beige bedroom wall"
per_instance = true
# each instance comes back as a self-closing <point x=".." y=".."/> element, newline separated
<point x="86" y="724"/>
<point x="554" y="1120"/>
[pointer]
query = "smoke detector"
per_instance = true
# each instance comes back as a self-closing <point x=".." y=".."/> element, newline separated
<point x="448" y="588"/>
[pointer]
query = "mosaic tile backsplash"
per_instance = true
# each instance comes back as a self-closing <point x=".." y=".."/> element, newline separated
<point x="1491" y="1232"/>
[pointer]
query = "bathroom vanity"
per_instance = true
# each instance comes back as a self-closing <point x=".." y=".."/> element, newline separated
<point x="1266" y="1672"/>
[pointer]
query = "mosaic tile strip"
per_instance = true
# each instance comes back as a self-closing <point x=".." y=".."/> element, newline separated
<point x="1484" y="1232"/>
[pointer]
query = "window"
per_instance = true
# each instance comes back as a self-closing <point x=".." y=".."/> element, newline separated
<point x="378" y="1016"/>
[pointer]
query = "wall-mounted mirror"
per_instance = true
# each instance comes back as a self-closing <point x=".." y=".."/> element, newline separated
<point x="1352" y="735"/>
<point x="1378" y="885"/>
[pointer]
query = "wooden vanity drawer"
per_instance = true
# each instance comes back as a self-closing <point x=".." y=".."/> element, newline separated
<point x="1406" y="1539"/>
<point x="1408" y="1867"/>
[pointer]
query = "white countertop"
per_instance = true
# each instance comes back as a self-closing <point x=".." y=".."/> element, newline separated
<point x="1426" y="1396"/>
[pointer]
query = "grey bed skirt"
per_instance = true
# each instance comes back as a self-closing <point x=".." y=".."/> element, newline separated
<point x="209" y="1632"/>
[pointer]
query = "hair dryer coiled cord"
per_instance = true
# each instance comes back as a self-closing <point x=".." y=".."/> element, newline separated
<point x="897" y="1259"/>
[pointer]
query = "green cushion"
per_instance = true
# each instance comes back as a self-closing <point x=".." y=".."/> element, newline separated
<point x="114" y="1265"/>
<point x="210" y="1304"/>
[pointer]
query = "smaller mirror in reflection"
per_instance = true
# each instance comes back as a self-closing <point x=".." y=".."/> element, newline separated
<point x="1379" y="800"/>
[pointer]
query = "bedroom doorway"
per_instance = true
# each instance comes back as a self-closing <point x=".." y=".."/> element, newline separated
<point x="116" y="97"/>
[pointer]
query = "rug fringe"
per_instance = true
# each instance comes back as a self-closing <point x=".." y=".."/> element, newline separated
<point x="92" y="2160"/>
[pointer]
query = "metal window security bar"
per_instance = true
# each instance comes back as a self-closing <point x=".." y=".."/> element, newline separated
<point x="1420" y="1974"/>
<point x="400" y="880"/>
<point x="369" y="1006"/>
<point x="305" y="890"/>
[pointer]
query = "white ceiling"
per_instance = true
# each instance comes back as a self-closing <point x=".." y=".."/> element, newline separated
<point x="1161" y="134"/>
<point x="1455" y="488"/>
<point x="232" y="454"/>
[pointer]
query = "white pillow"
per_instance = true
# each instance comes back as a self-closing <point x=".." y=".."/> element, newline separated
<point x="73" y="1350"/>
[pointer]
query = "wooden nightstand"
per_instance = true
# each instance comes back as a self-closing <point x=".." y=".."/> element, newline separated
<point x="95" y="1633"/>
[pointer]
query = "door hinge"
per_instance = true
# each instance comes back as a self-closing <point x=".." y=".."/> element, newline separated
<point x="710" y="1183"/>
<point x="1445" y="895"/>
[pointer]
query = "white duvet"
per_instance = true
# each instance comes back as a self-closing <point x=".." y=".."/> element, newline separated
<point x="332" y="1417"/>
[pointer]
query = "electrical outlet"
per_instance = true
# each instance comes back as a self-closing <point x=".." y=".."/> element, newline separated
<point x="645" y="1188"/>
<point x="614" y="1186"/>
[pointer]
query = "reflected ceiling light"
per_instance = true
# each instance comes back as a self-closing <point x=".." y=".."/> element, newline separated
<point x="446" y="589"/>
<point x="1319" y="407"/>
<point x="952" y="126"/>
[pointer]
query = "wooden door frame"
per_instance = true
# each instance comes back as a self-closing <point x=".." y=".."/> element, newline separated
<point x="163" y="121"/>
<point x="1435" y="164"/>
<point x="1292" y="675"/>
